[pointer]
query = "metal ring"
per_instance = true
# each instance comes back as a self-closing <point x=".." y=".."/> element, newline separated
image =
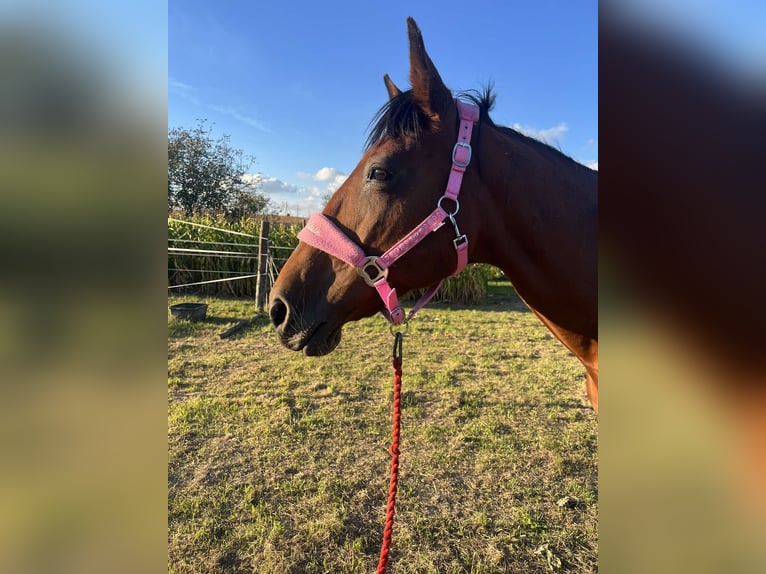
<point x="457" y="205"/>
<point x="394" y="329"/>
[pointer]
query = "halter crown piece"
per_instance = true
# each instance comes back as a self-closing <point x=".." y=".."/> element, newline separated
<point x="322" y="233"/>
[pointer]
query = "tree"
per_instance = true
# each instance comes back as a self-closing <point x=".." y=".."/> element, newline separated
<point x="204" y="173"/>
<point x="246" y="202"/>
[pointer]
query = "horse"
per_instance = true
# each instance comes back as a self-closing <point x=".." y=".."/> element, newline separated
<point x="526" y="208"/>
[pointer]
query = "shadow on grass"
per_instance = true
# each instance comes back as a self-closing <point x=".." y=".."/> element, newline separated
<point x="178" y="328"/>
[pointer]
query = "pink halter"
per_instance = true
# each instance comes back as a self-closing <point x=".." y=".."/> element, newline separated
<point x="322" y="234"/>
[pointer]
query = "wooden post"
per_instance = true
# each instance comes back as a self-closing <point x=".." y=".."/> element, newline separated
<point x="261" y="285"/>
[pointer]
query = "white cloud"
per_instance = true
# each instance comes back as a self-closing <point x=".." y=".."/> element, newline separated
<point x="274" y="186"/>
<point x="332" y="176"/>
<point x="184" y="91"/>
<point x="188" y="93"/>
<point x="174" y="84"/>
<point x="234" y="113"/>
<point x="593" y="165"/>
<point x="547" y="135"/>
<point x="254" y="179"/>
<point x="325" y="173"/>
<point x="300" y="200"/>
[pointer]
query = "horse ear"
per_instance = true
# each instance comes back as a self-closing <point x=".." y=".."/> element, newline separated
<point x="393" y="91"/>
<point x="427" y="86"/>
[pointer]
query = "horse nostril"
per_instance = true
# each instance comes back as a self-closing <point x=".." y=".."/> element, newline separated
<point x="278" y="312"/>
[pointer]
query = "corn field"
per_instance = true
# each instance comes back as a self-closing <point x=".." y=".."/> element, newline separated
<point x="236" y="255"/>
<point x="470" y="286"/>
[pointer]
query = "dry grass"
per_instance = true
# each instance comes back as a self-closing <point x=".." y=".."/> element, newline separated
<point x="278" y="462"/>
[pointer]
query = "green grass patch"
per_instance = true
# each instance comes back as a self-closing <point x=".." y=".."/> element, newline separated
<point x="278" y="463"/>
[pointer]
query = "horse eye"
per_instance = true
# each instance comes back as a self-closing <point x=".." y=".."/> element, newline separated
<point x="377" y="174"/>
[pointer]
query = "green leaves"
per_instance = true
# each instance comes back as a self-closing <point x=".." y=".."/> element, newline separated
<point x="205" y="173"/>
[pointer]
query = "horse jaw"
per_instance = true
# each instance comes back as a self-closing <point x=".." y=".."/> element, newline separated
<point x="323" y="341"/>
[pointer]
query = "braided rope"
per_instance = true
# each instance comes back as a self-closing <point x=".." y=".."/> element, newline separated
<point x="385" y="548"/>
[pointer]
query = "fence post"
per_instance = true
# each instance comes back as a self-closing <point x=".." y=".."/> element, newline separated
<point x="261" y="286"/>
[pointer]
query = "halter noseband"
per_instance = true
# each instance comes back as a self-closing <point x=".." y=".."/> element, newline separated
<point x="322" y="234"/>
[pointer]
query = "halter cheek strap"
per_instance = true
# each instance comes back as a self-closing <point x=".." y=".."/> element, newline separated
<point x="323" y="234"/>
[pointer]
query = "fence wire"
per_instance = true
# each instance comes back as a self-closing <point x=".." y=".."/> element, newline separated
<point x="211" y="281"/>
<point x="212" y="253"/>
<point x="200" y="241"/>
<point x="213" y="228"/>
<point x="209" y="251"/>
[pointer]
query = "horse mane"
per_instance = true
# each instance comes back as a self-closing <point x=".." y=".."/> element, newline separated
<point x="402" y="117"/>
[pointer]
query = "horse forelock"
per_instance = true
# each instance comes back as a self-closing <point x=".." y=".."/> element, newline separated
<point x="403" y="117"/>
<point x="400" y="117"/>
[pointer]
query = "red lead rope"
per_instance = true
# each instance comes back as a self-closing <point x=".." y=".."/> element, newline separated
<point x="385" y="548"/>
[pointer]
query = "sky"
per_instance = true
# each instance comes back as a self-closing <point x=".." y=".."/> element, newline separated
<point x="295" y="84"/>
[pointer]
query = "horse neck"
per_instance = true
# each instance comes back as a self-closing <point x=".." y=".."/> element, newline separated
<point x="538" y="221"/>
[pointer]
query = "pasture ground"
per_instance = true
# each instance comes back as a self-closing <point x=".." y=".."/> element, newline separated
<point x="278" y="463"/>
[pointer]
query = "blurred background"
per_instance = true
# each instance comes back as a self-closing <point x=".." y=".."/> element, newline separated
<point x="83" y="129"/>
<point x="82" y="234"/>
<point x="682" y="446"/>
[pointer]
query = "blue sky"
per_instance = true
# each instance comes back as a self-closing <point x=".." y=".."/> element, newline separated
<point x="296" y="84"/>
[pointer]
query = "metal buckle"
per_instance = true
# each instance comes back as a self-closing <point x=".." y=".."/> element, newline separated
<point x="458" y="241"/>
<point x="371" y="261"/>
<point x="454" y="154"/>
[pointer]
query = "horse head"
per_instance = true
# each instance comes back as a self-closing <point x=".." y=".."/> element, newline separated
<point x="397" y="182"/>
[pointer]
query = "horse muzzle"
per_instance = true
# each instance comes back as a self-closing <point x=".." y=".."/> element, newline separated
<point x="299" y="333"/>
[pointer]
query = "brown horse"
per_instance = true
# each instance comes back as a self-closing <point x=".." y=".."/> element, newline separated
<point x="525" y="208"/>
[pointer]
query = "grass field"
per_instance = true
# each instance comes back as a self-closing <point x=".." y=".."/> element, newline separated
<point x="278" y="463"/>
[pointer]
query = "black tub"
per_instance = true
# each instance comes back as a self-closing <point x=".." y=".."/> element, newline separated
<point x="190" y="311"/>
